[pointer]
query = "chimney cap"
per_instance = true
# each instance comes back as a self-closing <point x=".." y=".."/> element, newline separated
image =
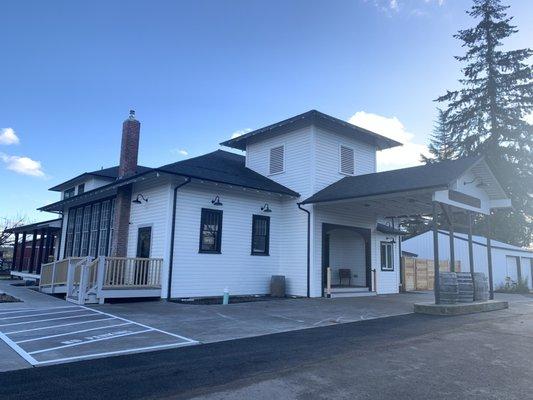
<point x="132" y="114"/>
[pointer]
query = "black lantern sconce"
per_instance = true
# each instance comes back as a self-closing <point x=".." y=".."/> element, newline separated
<point x="266" y="208"/>
<point x="216" y="201"/>
<point x="140" y="198"/>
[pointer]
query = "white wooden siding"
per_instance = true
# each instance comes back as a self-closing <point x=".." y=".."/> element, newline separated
<point x="423" y="246"/>
<point x="347" y="250"/>
<point x="297" y="175"/>
<point x="196" y="274"/>
<point x="327" y="157"/>
<point x="388" y="281"/>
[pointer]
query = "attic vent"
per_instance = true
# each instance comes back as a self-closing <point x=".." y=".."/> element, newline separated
<point x="277" y="156"/>
<point x="347" y="160"/>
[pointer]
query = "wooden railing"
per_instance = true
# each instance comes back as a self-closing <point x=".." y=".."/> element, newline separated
<point x="55" y="273"/>
<point x="124" y="272"/>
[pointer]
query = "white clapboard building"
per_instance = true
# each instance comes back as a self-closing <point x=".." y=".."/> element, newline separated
<point x="299" y="198"/>
<point x="508" y="261"/>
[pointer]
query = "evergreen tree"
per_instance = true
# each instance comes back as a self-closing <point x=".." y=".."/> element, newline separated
<point x="441" y="144"/>
<point x="487" y="115"/>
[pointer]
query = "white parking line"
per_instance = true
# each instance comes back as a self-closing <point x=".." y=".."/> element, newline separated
<point x="35" y="309"/>
<point x="80" y="312"/>
<point x="112" y="353"/>
<point x="89" y="341"/>
<point x="39" y="315"/>
<point x="144" y="326"/>
<point x="44" y="320"/>
<point x="18" y="349"/>
<point x="57" y="326"/>
<point x="72" y="332"/>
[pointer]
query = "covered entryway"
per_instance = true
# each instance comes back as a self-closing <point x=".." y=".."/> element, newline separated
<point x="346" y="260"/>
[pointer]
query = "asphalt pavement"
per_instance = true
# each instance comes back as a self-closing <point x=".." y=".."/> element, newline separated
<point x="482" y="356"/>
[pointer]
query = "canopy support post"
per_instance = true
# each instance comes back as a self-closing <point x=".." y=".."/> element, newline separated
<point x="436" y="283"/>
<point x="470" y="245"/>
<point x="489" y="258"/>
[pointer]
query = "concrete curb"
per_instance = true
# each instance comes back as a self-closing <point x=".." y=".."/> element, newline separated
<point x="460" y="308"/>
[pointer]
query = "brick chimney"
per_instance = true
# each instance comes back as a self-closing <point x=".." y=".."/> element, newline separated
<point x="129" y="151"/>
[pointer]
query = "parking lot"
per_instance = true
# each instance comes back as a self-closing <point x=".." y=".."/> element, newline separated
<point x="69" y="333"/>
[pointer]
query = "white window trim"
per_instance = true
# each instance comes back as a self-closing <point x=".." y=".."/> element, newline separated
<point x="341" y="145"/>
<point x="284" y="159"/>
<point x="391" y="244"/>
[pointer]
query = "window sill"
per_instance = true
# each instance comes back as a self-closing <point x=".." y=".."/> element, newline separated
<point x="208" y="252"/>
<point x="260" y="254"/>
<point x="387" y="269"/>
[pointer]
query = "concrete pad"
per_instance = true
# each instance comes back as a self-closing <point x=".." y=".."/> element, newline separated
<point x="460" y="308"/>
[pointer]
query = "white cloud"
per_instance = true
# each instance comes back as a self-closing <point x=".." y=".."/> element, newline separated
<point x="22" y="165"/>
<point x="393" y="5"/>
<point x="529" y="118"/>
<point x="8" y="136"/>
<point x="240" y="132"/>
<point x="181" y="152"/>
<point x="404" y="156"/>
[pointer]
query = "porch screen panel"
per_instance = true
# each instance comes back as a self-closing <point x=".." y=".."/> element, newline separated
<point x="77" y="232"/>
<point x="111" y="225"/>
<point x="104" y="228"/>
<point x="70" y="233"/>
<point x="95" y="224"/>
<point x="84" y="250"/>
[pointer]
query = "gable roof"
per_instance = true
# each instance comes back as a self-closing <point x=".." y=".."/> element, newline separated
<point x="225" y="167"/>
<point x="415" y="178"/>
<point x="110" y="173"/>
<point x="219" y="166"/>
<point x="313" y="117"/>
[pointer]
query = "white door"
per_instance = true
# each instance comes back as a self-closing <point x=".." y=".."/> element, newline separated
<point x="512" y="268"/>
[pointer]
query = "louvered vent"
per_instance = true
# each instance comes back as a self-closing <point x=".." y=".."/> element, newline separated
<point x="347" y="161"/>
<point x="276" y="159"/>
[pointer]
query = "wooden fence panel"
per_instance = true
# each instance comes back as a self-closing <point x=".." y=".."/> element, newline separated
<point x="419" y="274"/>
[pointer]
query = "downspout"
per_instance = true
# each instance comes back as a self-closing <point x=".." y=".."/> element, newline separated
<point x="172" y="234"/>
<point x="308" y="247"/>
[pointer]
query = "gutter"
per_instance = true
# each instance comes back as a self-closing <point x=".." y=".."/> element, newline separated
<point x="308" y="247"/>
<point x="173" y="232"/>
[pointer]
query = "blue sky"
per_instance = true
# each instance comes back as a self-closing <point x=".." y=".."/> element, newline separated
<point x="196" y="72"/>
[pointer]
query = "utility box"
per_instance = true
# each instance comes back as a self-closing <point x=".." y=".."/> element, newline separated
<point x="277" y="286"/>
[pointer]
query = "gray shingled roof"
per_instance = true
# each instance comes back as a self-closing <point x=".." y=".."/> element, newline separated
<point x="219" y="166"/>
<point x="225" y="167"/>
<point x="400" y="180"/>
<point x="316" y="118"/>
<point x="110" y="173"/>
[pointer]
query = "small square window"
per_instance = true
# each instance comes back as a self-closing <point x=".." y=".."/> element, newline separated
<point x="69" y="193"/>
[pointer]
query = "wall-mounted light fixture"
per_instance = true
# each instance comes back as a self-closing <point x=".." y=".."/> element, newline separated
<point x="481" y="184"/>
<point x="266" y="208"/>
<point x="216" y="201"/>
<point x="140" y="198"/>
<point x="390" y="240"/>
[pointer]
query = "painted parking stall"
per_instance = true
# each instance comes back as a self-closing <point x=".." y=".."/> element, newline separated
<point x="70" y="333"/>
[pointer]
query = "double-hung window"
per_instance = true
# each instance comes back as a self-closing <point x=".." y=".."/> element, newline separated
<point x="260" y="235"/>
<point x="210" y="231"/>
<point x="387" y="257"/>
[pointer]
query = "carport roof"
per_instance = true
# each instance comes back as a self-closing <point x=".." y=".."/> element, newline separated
<point x="430" y="176"/>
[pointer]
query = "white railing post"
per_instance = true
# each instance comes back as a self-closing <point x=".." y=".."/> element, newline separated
<point x="53" y="277"/>
<point x="82" y="288"/>
<point x="100" y="276"/>
<point x="70" y="277"/>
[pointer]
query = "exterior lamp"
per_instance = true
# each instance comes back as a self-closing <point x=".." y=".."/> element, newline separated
<point x="216" y="201"/>
<point x="140" y="198"/>
<point x="266" y="208"/>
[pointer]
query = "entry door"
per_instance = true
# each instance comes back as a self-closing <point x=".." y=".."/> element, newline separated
<point x="144" y="241"/>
